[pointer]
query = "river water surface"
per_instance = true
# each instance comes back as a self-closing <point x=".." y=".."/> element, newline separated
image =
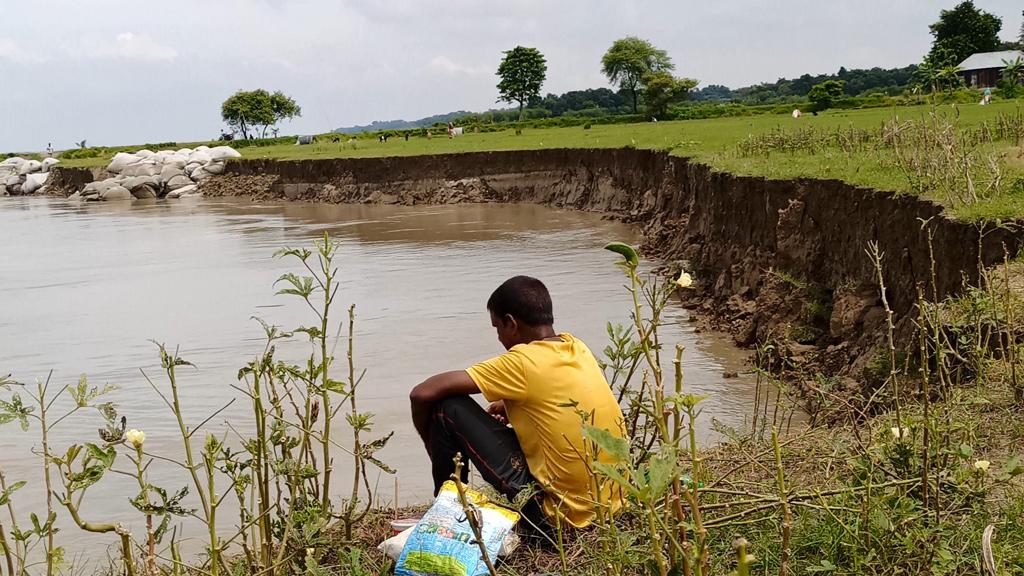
<point x="85" y="287"/>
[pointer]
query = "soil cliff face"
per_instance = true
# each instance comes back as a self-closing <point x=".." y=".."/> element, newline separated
<point x="769" y="255"/>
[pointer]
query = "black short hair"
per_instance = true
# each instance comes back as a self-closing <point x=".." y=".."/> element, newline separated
<point x="524" y="298"/>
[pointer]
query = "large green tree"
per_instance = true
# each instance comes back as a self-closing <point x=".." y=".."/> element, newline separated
<point x="630" y="60"/>
<point x="662" y="90"/>
<point x="960" y="32"/>
<point x="823" y="96"/>
<point x="253" y="112"/>
<point x="522" y="72"/>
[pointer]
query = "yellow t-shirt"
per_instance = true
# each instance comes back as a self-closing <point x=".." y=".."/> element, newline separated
<point x="537" y="381"/>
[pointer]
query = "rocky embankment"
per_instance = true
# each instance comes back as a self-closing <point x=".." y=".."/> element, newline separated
<point x="773" y="258"/>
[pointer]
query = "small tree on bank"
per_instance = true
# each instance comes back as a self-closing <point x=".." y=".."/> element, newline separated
<point x="522" y="72"/>
<point x="823" y="96"/>
<point x="630" y="60"/>
<point x="254" y="112"/>
<point x="661" y="90"/>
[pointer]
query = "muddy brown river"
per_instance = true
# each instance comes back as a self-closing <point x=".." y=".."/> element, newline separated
<point x="85" y="287"/>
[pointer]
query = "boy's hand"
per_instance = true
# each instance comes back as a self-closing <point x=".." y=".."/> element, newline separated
<point x="497" y="410"/>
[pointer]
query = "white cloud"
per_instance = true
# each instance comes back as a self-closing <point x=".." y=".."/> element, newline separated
<point x="449" y="67"/>
<point x="9" y="50"/>
<point x="131" y="46"/>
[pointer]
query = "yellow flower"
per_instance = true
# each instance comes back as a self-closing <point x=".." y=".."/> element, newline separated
<point x="981" y="465"/>
<point x="135" y="437"/>
<point x="684" y="280"/>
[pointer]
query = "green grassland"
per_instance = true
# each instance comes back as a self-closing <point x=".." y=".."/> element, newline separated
<point x="717" y="142"/>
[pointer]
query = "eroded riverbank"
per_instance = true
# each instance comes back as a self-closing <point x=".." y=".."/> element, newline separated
<point x="772" y="257"/>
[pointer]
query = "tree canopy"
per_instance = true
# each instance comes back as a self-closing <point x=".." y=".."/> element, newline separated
<point x="522" y="74"/>
<point x="661" y="90"/>
<point x="960" y="32"/>
<point x="254" y="112"/>
<point x="823" y="96"/>
<point x="631" y="59"/>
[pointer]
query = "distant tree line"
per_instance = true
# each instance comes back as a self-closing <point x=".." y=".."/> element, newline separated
<point x="858" y="82"/>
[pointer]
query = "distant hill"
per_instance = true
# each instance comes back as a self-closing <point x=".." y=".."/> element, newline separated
<point x="402" y="124"/>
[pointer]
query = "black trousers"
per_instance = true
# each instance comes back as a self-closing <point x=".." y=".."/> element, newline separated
<point x="460" y="425"/>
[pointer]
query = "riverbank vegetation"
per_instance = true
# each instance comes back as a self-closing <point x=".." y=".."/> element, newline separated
<point x="921" y="473"/>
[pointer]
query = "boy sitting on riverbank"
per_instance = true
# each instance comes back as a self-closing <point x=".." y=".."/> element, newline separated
<point x="531" y="387"/>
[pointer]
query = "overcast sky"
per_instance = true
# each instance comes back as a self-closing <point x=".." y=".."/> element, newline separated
<point x="118" y="72"/>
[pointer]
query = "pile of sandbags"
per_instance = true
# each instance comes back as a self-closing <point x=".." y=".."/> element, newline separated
<point x="163" y="174"/>
<point x="20" y="176"/>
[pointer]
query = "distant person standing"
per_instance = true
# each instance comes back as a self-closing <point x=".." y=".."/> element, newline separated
<point x="49" y="149"/>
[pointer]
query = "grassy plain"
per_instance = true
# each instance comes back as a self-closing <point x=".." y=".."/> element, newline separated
<point x="713" y="141"/>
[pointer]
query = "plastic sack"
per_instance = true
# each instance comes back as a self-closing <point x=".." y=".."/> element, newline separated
<point x="223" y="153"/>
<point x="121" y="161"/>
<point x="443" y="544"/>
<point x="392" y="547"/>
<point x="34" y="182"/>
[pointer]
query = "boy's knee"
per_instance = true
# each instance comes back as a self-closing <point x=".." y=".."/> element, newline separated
<point x="453" y="406"/>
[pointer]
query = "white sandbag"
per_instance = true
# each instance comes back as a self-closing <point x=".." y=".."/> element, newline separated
<point x="12" y="180"/>
<point x="200" y="174"/>
<point x="144" y="192"/>
<point x="224" y="153"/>
<point x="12" y="161"/>
<point x="30" y="167"/>
<point x="142" y="168"/>
<point x="49" y="163"/>
<point x="183" y="191"/>
<point x="203" y="148"/>
<point x="101" y="186"/>
<point x="137" y="181"/>
<point x="121" y="161"/>
<point x="76" y="197"/>
<point x="116" y="193"/>
<point x="199" y="156"/>
<point x="7" y="170"/>
<point x="178" y="181"/>
<point x="170" y="171"/>
<point x="163" y="155"/>
<point x="214" y="168"/>
<point x="34" y="182"/>
<point x="184" y="152"/>
<point x="176" y="160"/>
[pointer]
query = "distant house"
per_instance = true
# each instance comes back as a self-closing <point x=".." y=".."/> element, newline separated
<point x="983" y="70"/>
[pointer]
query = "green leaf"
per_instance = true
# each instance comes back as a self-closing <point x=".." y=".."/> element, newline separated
<point x="106" y="457"/>
<point x="85" y="478"/>
<point x="660" y="472"/>
<point x="613" y="445"/>
<point x="300" y="285"/>
<point x="823" y="566"/>
<point x="627" y="252"/>
<point x="5" y="496"/>
<point x="614" y="474"/>
<point x="1013" y="467"/>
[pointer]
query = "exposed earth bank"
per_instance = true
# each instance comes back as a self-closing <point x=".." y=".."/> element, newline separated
<point x="772" y="258"/>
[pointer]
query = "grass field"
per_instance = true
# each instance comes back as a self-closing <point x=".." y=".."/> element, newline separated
<point x="715" y="141"/>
